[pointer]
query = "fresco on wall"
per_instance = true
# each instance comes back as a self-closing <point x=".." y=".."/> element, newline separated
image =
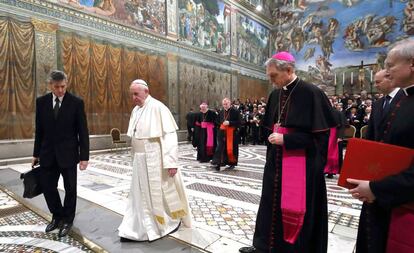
<point x="145" y="14"/>
<point x="172" y="16"/>
<point x="343" y="42"/>
<point x="205" y="24"/>
<point x="252" y="40"/>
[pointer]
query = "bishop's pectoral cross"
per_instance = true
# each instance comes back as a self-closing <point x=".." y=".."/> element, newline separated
<point x="277" y="125"/>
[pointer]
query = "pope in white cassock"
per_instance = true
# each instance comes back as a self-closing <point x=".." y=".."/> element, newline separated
<point x="157" y="200"/>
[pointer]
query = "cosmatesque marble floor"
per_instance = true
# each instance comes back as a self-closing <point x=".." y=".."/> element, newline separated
<point x="223" y="204"/>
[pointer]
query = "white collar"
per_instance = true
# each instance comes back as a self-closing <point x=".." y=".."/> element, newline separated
<point x="405" y="89"/>
<point x="60" y="98"/>
<point x="393" y="93"/>
<point x="286" y="86"/>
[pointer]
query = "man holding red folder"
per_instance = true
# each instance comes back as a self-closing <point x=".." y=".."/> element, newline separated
<point x="386" y="223"/>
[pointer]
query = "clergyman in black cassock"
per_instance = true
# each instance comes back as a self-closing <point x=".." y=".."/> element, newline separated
<point x="227" y="151"/>
<point x="305" y="109"/>
<point x="205" y="133"/>
<point x="386" y="225"/>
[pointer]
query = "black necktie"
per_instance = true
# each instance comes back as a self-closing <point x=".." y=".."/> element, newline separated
<point x="56" y="108"/>
<point x="386" y="108"/>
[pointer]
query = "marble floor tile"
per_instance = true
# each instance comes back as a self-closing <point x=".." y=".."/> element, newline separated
<point x="225" y="245"/>
<point x="340" y="244"/>
<point x="195" y="236"/>
<point x="345" y="231"/>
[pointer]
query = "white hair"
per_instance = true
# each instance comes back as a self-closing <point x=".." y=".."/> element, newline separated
<point x="404" y="49"/>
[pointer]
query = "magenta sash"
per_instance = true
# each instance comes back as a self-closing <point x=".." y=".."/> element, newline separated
<point x="210" y="136"/>
<point x="293" y="190"/>
<point x="400" y="234"/>
<point x="332" y="162"/>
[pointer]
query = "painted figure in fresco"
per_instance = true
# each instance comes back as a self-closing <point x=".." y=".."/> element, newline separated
<point x="297" y="38"/>
<point x="333" y="27"/>
<point x="102" y="7"/>
<point x="377" y="29"/>
<point x="309" y="53"/>
<point x="351" y="37"/>
<point x="326" y="46"/>
<point x="315" y="34"/>
<point x="408" y="22"/>
<point x="324" y="66"/>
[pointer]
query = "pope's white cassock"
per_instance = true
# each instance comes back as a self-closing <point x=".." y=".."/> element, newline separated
<point x="157" y="202"/>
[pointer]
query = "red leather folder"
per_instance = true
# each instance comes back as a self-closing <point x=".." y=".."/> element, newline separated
<point x="370" y="160"/>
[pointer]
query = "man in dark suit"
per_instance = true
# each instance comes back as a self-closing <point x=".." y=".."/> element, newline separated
<point x="386" y="224"/>
<point x="382" y="106"/>
<point x="190" y="117"/>
<point x="61" y="142"/>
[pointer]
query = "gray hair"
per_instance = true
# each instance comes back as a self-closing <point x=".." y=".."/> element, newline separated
<point x="404" y="49"/>
<point x="57" y="76"/>
<point x="281" y="65"/>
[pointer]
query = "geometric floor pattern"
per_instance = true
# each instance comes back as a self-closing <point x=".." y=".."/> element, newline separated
<point x="223" y="204"/>
<point x="21" y="230"/>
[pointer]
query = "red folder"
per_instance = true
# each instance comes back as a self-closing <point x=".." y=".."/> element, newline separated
<point x="370" y="160"/>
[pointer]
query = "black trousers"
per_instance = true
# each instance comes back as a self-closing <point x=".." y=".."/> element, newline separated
<point x="189" y="133"/>
<point x="49" y="181"/>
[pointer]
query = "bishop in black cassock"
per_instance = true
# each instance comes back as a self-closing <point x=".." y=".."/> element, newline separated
<point x="305" y="111"/>
<point x="205" y="133"/>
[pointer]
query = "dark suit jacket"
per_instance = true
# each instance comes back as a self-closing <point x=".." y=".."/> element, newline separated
<point x="376" y="121"/>
<point x="66" y="138"/>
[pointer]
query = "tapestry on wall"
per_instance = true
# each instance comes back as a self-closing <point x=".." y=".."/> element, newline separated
<point x="339" y="45"/>
<point x="205" y="24"/>
<point x="144" y="14"/>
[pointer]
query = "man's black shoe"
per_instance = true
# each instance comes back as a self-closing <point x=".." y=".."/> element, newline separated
<point x="230" y="167"/>
<point x="123" y="239"/>
<point x="64" y="230"/>
<point x="329" y="176"/>
<point x="217" y="168"/>
<point x="250" y="249"/>
<point x="54" y="224"/>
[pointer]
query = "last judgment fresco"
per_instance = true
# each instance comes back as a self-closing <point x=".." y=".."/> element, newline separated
<point x="340" y="42"/>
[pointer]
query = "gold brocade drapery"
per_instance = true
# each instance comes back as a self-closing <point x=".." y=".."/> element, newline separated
<point x="101" y="73"/>
<point x="17" y="84"/>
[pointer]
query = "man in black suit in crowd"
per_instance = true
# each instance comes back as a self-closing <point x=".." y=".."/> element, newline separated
<point x="381" y="107"/>
<point x="190" y="118"/>
<point x="61" y="142"/>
